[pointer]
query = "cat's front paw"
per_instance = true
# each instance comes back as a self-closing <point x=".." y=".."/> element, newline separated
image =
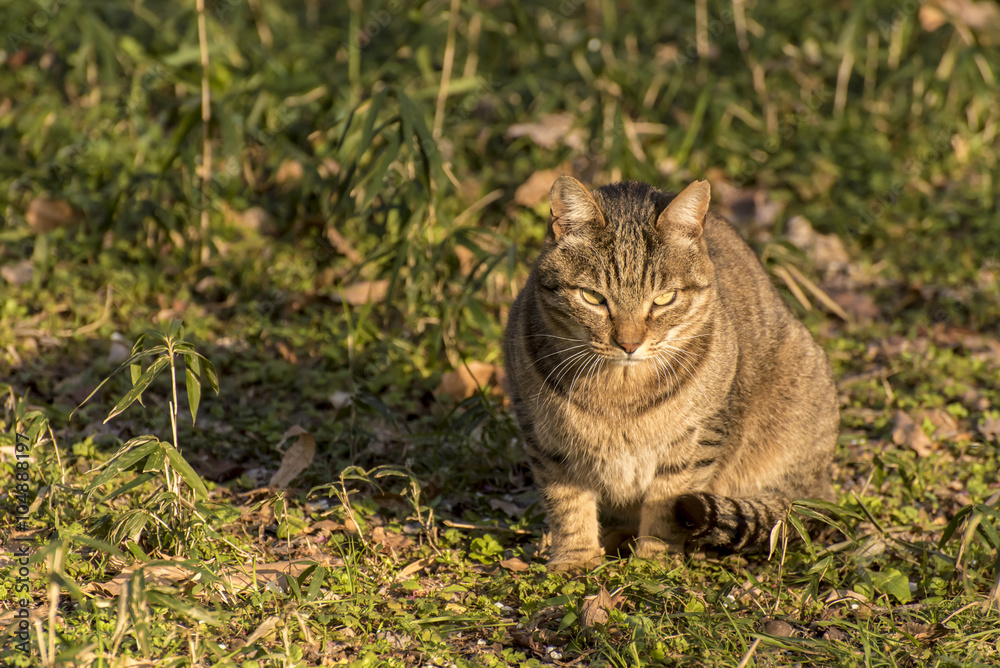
<point x="575" y="561"/>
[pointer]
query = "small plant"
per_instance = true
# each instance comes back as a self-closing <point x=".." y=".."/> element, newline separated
<point x="157" y="457"/>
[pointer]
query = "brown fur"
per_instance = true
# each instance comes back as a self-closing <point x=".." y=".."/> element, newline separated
<point x="724" y="411"/>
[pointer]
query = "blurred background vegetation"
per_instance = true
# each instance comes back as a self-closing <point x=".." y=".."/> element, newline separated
<point x="377" y="187"/>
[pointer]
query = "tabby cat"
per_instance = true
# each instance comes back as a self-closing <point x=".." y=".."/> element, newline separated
<point x="659" y="380"/>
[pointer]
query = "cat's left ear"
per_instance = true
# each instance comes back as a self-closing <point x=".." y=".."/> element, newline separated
<point x="685" y="215"/>
<point x="572" y="206"/>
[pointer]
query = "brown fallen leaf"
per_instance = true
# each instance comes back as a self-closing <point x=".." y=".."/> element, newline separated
<point x="546" y="132"/>
<point x="46" y="215"/>
<point x="945" y="424"/>
<point x="990" y="428"/>
<point x="361" y="293"/>
<point x="289" y="172"/>
<point x="272" y="575"/>
<point x="297" y="459"/>
<point x="514" y="564"/>
<point x="414" y="568"/>
<point x="163" y="576"/>
<point x="907" y="432"/>
<point x="596" y="609"/>
<point x="925" y="632"/>
<point x="466" y="380"/>
<point x="508" y="507"/>
<point x="536" y="189"/>
<point x="18" y="273"/>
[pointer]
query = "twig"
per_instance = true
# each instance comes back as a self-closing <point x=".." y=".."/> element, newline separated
<point x="449" y="62"/>
<point x="483" y="527"/>
<point x="819" y="294"/>
<point x="793" y="287"/>
<point x="746" y="657"/>
<point x="206" y="118"/>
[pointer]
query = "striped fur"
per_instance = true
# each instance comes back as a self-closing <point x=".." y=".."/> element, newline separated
<point x="692" y="423"/>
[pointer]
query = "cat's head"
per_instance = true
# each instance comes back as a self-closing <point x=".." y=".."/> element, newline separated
<point x="624" y="267"/>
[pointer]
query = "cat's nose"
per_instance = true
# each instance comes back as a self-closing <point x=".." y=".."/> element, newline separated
<point x="629" y="346"/>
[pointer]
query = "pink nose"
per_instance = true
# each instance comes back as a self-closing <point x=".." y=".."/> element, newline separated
<point x="629" y="346"/>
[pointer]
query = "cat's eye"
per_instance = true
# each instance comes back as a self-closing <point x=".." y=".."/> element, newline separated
<point x="666" y="298"/>
<point x="592" y="297"/>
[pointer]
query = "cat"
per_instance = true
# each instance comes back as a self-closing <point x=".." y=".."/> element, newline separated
<point x="659" y="380"/>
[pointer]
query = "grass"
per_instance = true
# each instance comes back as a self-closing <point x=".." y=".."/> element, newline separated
<point x="354" y="258"/>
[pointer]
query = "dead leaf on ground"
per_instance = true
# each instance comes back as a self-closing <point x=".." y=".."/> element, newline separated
<point x="273" y="575"/>
<point x="907" y="432"/>
<point x="990" y="428"/>
<point x="596" y="609"/>
<point x="163" y="576"/>
<point x="512" y="509"/>
<point x="297" y="459"/>
<point x="289" y="172"/>
<point x="466" y="380"/>
<point x="825" y="251"/>
<point x="18" y="273"/>
<point x="546" y="132"/>
<point x="536" y="189"/>
<point x="46" y="215"/>
<point x="414" y="568"/>
<point x="89" y="658"/>
<point x="983" y="16"/>
<point x="945" y="424"/>
<point x="925" y="632"/>
<point x="514" y="564"/>
<point x="359" y="294"/>
<point x="394" y="541"/>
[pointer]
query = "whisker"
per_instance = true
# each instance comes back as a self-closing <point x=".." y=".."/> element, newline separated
<point x="566" y="362"/>
<point x="690" y="373"/>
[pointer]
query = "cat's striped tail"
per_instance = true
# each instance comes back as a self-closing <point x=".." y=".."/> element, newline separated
<point x="727" y="524"/>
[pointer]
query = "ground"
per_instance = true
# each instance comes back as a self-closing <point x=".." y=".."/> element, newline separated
<point x="354" y="492"/>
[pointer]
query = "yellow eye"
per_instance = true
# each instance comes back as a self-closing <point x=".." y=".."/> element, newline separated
<point x="665" y="298"/>
<point x="592" y="297"/>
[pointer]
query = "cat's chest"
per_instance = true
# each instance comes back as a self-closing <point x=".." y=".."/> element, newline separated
<point x="620" y="454"/>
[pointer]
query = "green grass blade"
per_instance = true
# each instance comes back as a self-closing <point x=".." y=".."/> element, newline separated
<point x="192" y="380"/>
<point x="147" y="377"/>
<point x="186" y="472"/>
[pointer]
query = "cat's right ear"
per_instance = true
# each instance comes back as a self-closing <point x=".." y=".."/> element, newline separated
<point x="572" y="206"/>
<point x="685" y="215"/>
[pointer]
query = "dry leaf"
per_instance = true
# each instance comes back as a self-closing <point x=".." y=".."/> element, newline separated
<point x="45" y="215"/>
<point x="264" y="629"/>
<point x="508" y="507"/>
<point x="536" y="189"/>
<point x="907" y="432"/>
<point x="596" y="608"/>
<point x="273" y="575"/>
<point x="514" y="564"/>
<point x="990" y="428"/>
<point x="945" y="424"/>
<point x="163" y="576"/>
<point x="289" y="172"/>
<point x="18" y="273"/>
<point x="297" y="459"/>
<point x="465" y="381"/>
<point x="983" y="16"/>
<point x="414" y="568"/>
<point x="546" y="132"/>
<point x="361" y="293"/>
